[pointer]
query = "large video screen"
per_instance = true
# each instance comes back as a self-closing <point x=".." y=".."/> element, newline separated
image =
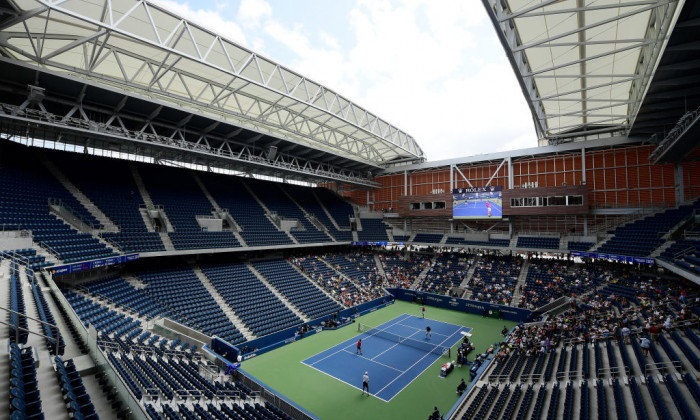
<point x="477" y="203"/>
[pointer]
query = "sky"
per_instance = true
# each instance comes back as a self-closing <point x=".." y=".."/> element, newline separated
<point x="434" y="69"/>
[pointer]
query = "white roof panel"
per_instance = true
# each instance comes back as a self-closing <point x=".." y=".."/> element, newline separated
<point x="584" y="69"/>
<point x="139" y="46"/>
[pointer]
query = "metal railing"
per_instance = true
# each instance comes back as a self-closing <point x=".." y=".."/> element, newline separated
<point x="53" y="340"/>
<point x="569" y="374"/>
<point x="283" y="404"/>
<point x="654" y="367"/>
<point x="131" y="311"/>
<point x="613" y="371"/>
<point x="58" y="205"/>
<point x="50" y="249"/>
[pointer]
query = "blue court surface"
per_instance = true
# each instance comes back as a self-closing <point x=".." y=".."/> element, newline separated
<point x="476" y="209"/>
<point x="391" y="366"/>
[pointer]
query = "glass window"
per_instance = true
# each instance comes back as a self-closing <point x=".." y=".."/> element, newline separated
<point x="575" y="200"/>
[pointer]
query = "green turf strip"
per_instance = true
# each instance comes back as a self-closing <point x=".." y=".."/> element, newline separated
<point x="329" y="398"/>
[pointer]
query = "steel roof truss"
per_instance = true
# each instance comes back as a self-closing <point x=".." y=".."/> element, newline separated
<point x="652" y="6"/>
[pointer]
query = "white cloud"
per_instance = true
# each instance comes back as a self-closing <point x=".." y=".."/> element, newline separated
<point x="434" y="70"/>
<point x="210" y="19"/>
<point x="252" y="12"/>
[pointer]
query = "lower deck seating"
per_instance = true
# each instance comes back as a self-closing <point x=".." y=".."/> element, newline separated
<point x="261" y="311"/>
<point x="189" y="301"/>
<point x="295" y="287"/>
<point x="25" y="398"/>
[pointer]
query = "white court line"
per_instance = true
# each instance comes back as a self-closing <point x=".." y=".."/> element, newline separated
<point x="343" y="348"/>
<point x="346" y="383"/>
<point x="423" y="371"/>
<point x="418" y="330"/>
<point x="397" y="322"/>
<point x="410" y="367"/>
<point x="374" y="361"/>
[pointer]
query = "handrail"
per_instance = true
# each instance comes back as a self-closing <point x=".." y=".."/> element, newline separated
<point x="18" y="328"/>
<point x="59" y="203"/>
<point x="113" y="243"/>
<point x="613" y="371"/>
<point x="662" y="365"/>
<point x="128" y="309"/>
<point x="569" y="374"/>
<point x="50" y="249"/>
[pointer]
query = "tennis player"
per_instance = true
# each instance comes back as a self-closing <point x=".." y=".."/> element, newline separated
<point x="423" y="311"/>
<point x="488" y="207"/>
<point x="427" y="333"/>
<point x="365" y="383"/>
<point x="359" y="347"/>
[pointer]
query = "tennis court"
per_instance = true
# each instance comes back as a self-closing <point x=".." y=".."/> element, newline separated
<point x="394" y="354"/>
<point x="477" y="209"/>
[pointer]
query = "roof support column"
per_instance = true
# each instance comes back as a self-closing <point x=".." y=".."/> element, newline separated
<point x="510" y="173"/>
<point x="405" y="182"/>
<point x="678" y="181"/>
<point x="583" y="165"/>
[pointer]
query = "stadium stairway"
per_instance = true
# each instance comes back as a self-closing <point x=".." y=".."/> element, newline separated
<point x="521" y="281"/>
<point x="107" y="224"/>
<point x="309" y="217"/>
<point x="277" y="293"/>
<point x="147" y="200"/>
<point x="315" y="283"/>
<point x="658" y="251"/>
<point x="325" y="209"/>
<point x="470" y="272"/>
<point x="206" y="192"/>
<point x="267" y="211"/>
<point x="108" y="244"/>
<point x="218" y="209"/>
<point x="4" y="295"/>
<point x="49" y="388"/>
<point x="378" y="263"/>
<point x="230" y="314"/>
<point x="423" y="273"/>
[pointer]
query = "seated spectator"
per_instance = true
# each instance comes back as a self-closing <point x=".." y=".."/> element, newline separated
<point x="461" y="387"/>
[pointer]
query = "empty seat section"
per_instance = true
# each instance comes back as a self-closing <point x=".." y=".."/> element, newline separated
<point x="183" y="200"/>
<point x="491" y="242"/>
<point x="278" y="202"/>
<point x="307" y="199"/>
<point x="538" y="242"/>
<point x="642" y="236"/>
<point x="428" y="238"/>
<point x="340" y="210"/>
<point x="119" y="291"/>
<point x="25" y="189"/>
<point x="189" y="301"/>
<point x="112" y="188"/>
<point x="295" y="287"/>
<point x="373" y="230"/>
<point x="257" y="229"/>
<point x="261" y="311"/>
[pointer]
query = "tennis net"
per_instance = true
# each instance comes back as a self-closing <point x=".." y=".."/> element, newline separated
<point x="417" y="344"/>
